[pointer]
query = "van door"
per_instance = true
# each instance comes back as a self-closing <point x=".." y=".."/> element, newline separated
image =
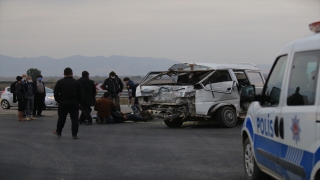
<point x="218" y="88"/>
<point x="265" y="141"/>
<point x="297" y="128"/>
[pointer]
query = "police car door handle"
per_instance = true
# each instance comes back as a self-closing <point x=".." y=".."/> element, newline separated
<point x="281" y="128"/>
<point x="276" y="126"/>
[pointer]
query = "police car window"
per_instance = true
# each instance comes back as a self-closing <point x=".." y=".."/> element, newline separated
<point x="303" y="78"/>
<point x="272" y="89"/>
<point x="255" y="78"/>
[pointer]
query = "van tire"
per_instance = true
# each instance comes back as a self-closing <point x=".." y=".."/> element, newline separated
<point x="5" y="104"/>
<point x="227" y="117"/>
<point x="175" y="123"/>
<point x="252" y="173"/>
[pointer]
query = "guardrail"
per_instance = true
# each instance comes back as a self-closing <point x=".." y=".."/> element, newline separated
<point x="124" y="94"/>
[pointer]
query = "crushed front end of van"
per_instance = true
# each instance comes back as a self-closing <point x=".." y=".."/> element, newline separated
<point x="189" y="91"/>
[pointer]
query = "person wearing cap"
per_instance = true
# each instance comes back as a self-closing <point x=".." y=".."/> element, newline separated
<point x="68" y="93"/>
<point x="114" y="86"/>
<point x="21" y="97"/>
<point x="39" y="96"/>
<point x="131" y="86"/>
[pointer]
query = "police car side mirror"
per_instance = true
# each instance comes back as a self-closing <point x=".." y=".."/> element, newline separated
<point x="197" y="86"/>
<point x="248" y="93"/>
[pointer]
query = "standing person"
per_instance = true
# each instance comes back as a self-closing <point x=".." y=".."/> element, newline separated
<point x="30" y="94"/>
<point x="39" y="96"/>
<point x="25" y="86"/>
<point x="68" y="94"/>
<point x="104" y="106"/>
<point x="132" y="86"/>
<point x="89" y="99"/>
<point x="114" y="86"/>
<point x="21" y="98"/>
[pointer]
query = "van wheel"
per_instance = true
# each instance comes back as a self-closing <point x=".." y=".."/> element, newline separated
<point x="177" y="122"/>
<point x="251" y="168"/>
<point x="227" y="117"/>
<point x="5" y="104"/>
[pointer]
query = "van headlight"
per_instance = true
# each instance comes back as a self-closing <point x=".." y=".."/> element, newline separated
<point x="51" y="97"/>
<point x="178" y="94"/>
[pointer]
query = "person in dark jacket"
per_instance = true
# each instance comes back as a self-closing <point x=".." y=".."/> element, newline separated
<point x="21" y="97"/>
<point x="89" y="99"/>
<point x="68" y="94"/>
<point x="131" y="86"/>
<point x="39" y="96"/>
<point x="30" y="94"/>
<point x="114" y="86"/>
<point x="13" y="91"/>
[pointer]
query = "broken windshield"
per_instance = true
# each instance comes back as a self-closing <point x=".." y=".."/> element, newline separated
<point x="175" y="77"/>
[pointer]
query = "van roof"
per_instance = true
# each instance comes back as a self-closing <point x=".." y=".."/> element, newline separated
<point x="198" y="66"/>
<point x="308" y="43"/>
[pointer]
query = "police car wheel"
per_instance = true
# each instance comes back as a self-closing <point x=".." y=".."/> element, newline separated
<point x="227" y="117"/>
<point x="177" y="122"/>
<point x="250" y="166"/>
<point x="5" y="104"/>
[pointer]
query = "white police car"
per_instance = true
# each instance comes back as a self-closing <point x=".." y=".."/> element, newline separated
<point x="281" y="132"/>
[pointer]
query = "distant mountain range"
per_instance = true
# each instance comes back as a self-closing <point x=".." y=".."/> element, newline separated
<point x="99" y="65"/>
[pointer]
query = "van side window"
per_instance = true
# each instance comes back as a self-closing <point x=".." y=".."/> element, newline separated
<point x="218" y="76"/>
<point x="241" y="78"/>
<point x="272" y="88"/>
<point x="255" y="78"/>
<point x="303" y="78"/>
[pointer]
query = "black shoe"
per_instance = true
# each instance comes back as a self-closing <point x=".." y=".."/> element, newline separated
<point x="75" y="137"/>
<point x="56" y="133"/>
<point x="88" y="123"/>
<point x="39" y="115"/>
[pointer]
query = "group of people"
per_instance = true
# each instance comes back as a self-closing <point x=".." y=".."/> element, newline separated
<point x="73" y="95"/>
<point x="30" y="96"/>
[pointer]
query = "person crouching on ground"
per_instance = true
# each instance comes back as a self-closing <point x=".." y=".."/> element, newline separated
<point x="30" y="94"/>
<point x="21" y="97"/>
<point x="104" y="106"/>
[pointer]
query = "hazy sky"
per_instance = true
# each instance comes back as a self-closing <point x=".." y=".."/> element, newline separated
<point x="186" y="31"/>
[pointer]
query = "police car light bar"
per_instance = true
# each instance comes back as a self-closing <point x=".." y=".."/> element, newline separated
<point x="315" y="27"/>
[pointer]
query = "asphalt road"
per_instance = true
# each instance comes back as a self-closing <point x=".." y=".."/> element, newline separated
<point x="29" y="150"/>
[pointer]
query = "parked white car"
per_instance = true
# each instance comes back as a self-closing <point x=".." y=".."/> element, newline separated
<point x="7" y="99"/>
<point x="200" y="92"/>
<point x="281" y="133"/>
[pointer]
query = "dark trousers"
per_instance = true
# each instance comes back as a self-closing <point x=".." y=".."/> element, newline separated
<point x="22" y="104"/>
<point x="85" y="113"/>
<point x="38" y="103"/>
<point x="71" y="107"/>
<point x="136" y="100"/>
<point x="134" y="117"/>
<point x="116" y="100"/>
